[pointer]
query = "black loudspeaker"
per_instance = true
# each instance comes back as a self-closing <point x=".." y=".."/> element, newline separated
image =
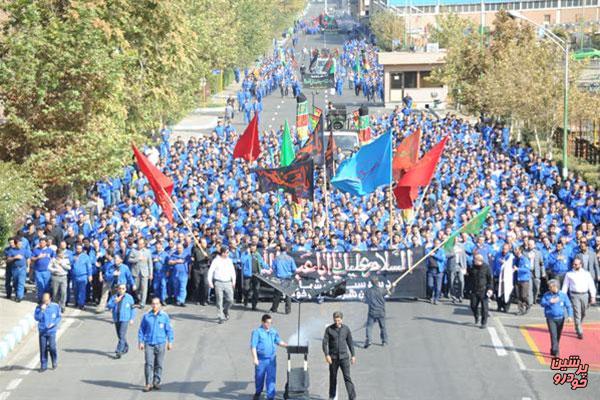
<point x="298" y="381"/>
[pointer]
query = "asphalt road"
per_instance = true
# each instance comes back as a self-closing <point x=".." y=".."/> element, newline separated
<point x="435" y="352"/>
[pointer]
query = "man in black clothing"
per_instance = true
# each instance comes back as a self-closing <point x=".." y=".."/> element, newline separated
<point x="481" y="283"/>
<point x="338" y="347"/>
<point x="374" y="297"/>
<point x="200" y="264"/>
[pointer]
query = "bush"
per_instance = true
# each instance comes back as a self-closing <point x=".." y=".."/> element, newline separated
<point x="19" y="195"/>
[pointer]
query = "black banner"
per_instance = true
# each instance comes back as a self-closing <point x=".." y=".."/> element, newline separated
<point x="324" y="271"/>
<point x="318" y="80"/>
<point x="314" y="147"/>
<point x="297" y="179"/>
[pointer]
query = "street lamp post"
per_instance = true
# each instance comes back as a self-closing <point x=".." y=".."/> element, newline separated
<point x="564" y="46"/>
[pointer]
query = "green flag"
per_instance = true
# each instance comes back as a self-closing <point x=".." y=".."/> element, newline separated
<point x="287" y="147"/>
<point x="473" y="227"/>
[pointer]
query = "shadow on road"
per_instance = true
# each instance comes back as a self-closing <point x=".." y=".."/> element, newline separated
<point x="90" y="351"/>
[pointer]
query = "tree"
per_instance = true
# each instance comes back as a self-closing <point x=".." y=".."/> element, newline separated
<point x="387" y="27"/>
<point x="19" y="194"/>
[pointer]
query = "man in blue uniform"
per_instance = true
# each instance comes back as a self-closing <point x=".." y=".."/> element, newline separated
<point x="159" y="263"/>
<point x="41" y="257"/>
<point x="47" y="314"/>
<point x="436" y="264"/>
<point x="154" y="335"/>
<point x="179" y="261"/>
<point x="82" y="274"/>
<point x="284" y="268"/>
<point x="264" y="351"/>
<point x="16" y="269"/>
<point x="121" y="304"/>
<point x="556" y="304"/>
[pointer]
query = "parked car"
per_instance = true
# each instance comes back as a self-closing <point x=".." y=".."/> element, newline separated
<point x="584" y="54"/>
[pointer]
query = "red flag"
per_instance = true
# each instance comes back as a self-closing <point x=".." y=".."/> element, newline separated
<point x="422" y="172"/>
<point x="161" y="185"/>
<point x="248" y="145"/>
<point x="407" y="154"/>
<point x="405" y="196"/>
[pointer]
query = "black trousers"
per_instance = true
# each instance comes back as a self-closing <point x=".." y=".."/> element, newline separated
<point x="251" y="289"/>
<point x="278" y="296"/>
<point x="344" y="364"/>
<point x="555" y="327"/>
<point x="502" y="305"/>
<point x="476" y="299"/>
<point x="199" y="287"/>
<point x="238" y="290"/>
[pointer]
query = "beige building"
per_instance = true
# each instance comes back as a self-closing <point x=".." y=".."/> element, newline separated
<point x="406" y="73"/>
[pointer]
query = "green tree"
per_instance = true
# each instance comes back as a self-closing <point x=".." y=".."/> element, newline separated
<point x="387" y="26"/>
<point x="19" y="194"/>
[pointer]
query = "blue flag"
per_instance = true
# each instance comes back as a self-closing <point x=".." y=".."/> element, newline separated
<point x="368" y="169"/>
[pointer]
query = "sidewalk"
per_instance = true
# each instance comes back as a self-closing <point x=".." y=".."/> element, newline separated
<point x="16" y="319"/>
<point x="203" y="119"/>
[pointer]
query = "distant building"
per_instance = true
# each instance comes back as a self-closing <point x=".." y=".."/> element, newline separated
<point x="549" y="12"/>
<point x="406" y="73"/>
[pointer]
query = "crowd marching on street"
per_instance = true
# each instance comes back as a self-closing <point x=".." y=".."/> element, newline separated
<point x="116" y="251"/>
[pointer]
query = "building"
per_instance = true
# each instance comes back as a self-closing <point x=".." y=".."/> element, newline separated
<point x="406" y="73"/>
<point x="421" y="13"/>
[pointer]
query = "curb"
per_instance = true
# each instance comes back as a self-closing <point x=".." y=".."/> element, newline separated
<point x="16" y="335"/>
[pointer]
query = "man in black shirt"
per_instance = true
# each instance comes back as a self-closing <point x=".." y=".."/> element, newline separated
<point x="200" y="264"/>
<point x="374" y="297"/>
<point x="338" y="347"/>
<point x="481" y="283"/>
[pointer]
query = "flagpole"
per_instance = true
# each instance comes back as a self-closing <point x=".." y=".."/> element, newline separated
<point x="416" y="212"/>
<point x="391" y="201"/>
<point x="431" y="252"/>
<point x="187" y="224"/>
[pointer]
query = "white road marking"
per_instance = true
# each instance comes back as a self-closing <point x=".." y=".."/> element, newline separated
<point x="526" y="398"/>
<point x="35" y="360"/>
<point x="511" y="344"/>
<point x="4" y="395"/>
<point x="498" y="346"/>
<point x="12" y="385"/>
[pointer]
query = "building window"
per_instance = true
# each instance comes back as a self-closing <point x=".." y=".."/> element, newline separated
<point x="410" y="79"/>
<point x="396" y="80"/>
<point x="547" y="19"/>
<point x="424" y="82"/>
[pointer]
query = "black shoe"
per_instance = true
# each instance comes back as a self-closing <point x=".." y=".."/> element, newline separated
<point x="476" y="320"/>
<point x="580" y="336"/>
<point x="256" y="397"/>
<point x="383" y="344"/>
<point x="54" y="366"/>
<point x="81" y="308"/>
<point x="156" y="386"/>
<point x="42" y="370"/>
<point x="273" y="311"/>
<point x="62" y="309"/>
<point x="288" y="311"/>
<point x="197" y="303"/>
<point x="483" y="326"/>
<point x="204" y="304"/>
<point x="118" y="355"/>
<point x="226" y="317"/>
<point x="254" y="308"/>
<point x="221" y="321"/>
<point x="18" y="300"/>
<point x="367" y="344"/>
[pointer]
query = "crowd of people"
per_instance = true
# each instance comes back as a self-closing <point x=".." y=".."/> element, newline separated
<point x="119" y="238"/>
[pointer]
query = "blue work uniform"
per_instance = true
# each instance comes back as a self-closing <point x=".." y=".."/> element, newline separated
<point x="48" y="321"/>
<point x="155" y="330"/>
<point x="122" y="313"/>
<point x="159" y="282"/>
<point x="40" y="267"/>
<point x="555" y="316"/>
<point x="180" y="275"/>
<point x="265" y="342"/>
<point x="82" y="272"/>
<point x="16" y="272"/>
